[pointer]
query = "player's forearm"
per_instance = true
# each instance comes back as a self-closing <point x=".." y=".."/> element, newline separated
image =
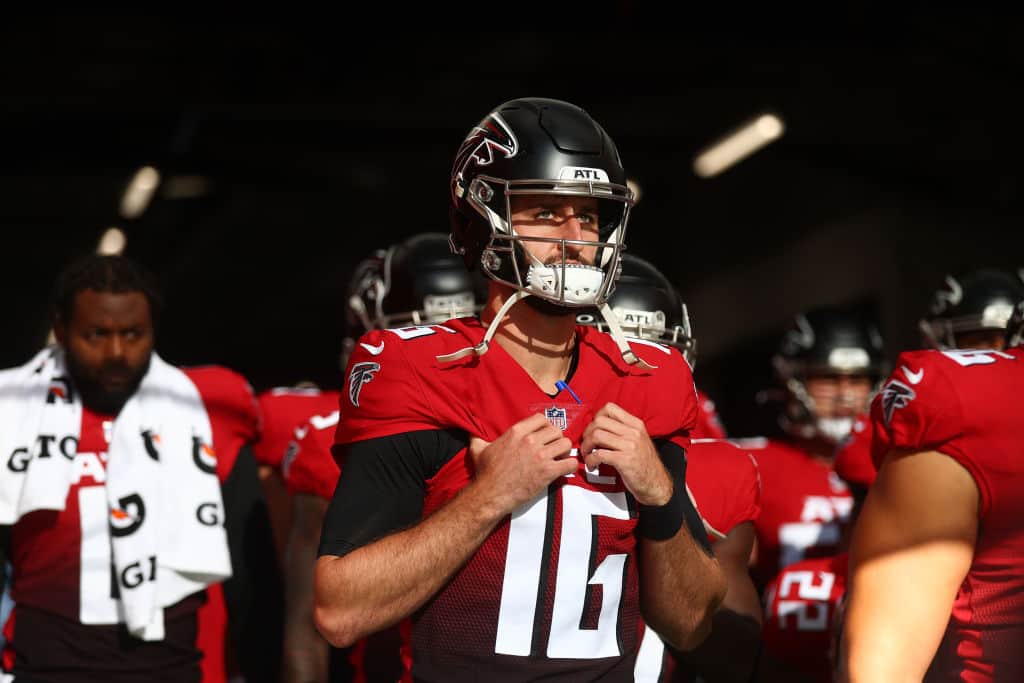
<point x="383" y="582"/>
<point x="305" y="651"/>
<point x="681" y="587"/>
<point x="879" y="657"/>
<point x="886" y="643"/>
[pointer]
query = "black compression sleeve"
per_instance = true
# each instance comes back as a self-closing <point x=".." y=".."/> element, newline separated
<point x="382" y="486"/>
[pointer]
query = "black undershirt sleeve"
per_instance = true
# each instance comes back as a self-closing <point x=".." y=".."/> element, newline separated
<point x="383" y="485"/>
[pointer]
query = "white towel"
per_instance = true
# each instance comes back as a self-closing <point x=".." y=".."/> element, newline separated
<point x="163" y="495"/>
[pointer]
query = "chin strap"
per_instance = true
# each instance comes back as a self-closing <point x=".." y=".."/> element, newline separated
<point x="481" y="348"/>
<point x="620" y="339"/>
<point x="609" y="316"/>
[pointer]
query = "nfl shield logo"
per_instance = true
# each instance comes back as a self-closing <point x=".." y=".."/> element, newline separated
<point x="556" y="416"/>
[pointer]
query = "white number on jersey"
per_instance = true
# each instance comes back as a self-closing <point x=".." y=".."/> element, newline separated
<point x="407" y="333"/>
<point x="795" y="538"/>
<point x="527" y="553"/>
<point x="810" y="616"/>
<point x="967" y="358"/>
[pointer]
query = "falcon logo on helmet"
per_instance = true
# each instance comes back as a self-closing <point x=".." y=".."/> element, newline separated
<point x="491" y="137"/>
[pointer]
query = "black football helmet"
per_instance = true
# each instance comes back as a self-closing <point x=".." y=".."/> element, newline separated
<point x="538" y="146"/>
<point x="979" y="301"/>
<point x="1015" y="327"/>
<point x="648" y="307"/>
<point x="824" y="342"/>
<point x="415" y="282"/>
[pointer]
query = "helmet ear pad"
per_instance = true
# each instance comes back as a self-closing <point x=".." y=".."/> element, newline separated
<point x="467" y="241"/>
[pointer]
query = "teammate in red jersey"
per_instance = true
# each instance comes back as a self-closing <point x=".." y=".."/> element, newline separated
<point x="517" y="485"/>
<point x="803" y="603"/>
<point x="418" y="281"/>
<point x="69" y="623"/>
<point x="828" y="362"/>
<point x="283" y="410"/>
<point x="935" y="583"/>
<point x="725" y="484"/>
<point x="722" y="480"/>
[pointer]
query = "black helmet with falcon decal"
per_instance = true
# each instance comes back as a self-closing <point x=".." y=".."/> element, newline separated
<point x="535" y="146"/>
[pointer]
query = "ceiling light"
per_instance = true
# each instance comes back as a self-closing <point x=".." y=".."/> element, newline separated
<point x="140" y="191"/>
<point x="738" y="145"/>
<point x="112" y="242"/>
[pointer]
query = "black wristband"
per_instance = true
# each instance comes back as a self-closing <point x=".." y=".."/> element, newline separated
<point x="662" y="522"/>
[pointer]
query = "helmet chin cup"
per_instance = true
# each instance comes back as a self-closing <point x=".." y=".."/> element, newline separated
<point x="834" y="429"/>
<point x="570" y="284"/>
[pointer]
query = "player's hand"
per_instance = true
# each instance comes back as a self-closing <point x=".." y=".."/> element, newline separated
<point x="619" y="439"/>
<point x="521" y="463"/>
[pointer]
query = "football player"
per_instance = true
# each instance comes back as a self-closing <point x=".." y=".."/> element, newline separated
<point x="415" y="282"/>
<point x="935" y="581"/>
<point x="829" y="363"/>
<point x="802" y="603"/>
<point x="722" y="479"/>
<point x="516" y="483"/>
<point x="72" y="612"/>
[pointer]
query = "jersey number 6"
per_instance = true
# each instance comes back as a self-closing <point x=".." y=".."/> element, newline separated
<point x="529" y="545"/>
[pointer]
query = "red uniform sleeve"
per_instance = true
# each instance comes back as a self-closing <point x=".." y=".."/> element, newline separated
<point x="709" y="426"/>
<point x="725" y="484"/>
<point x="919" y="409"/>
<point x="670" y="394"/>
<point x="310" y="468"/>
<point x="383" y="392"/>
<point x="234" y="413"/>
<point x="284" y="410"/>
<point x="751" y="493"/>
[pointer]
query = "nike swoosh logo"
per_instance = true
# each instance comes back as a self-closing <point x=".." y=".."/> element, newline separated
<point x="374" y="350"/>
<point x="913" y="377"/>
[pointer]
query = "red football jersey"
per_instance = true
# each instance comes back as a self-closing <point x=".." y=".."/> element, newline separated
<point x="967" y="405"/>
<point x="76" y="584"/>
<point x="725" y="484"/>
<point x="800" y="613"/>
<point x="709" y="426"/>
<point x="310" y="467"/>
<point x="553" y="591"/>
<point x="803" y="505"/>
<point x="284" y="410"/>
